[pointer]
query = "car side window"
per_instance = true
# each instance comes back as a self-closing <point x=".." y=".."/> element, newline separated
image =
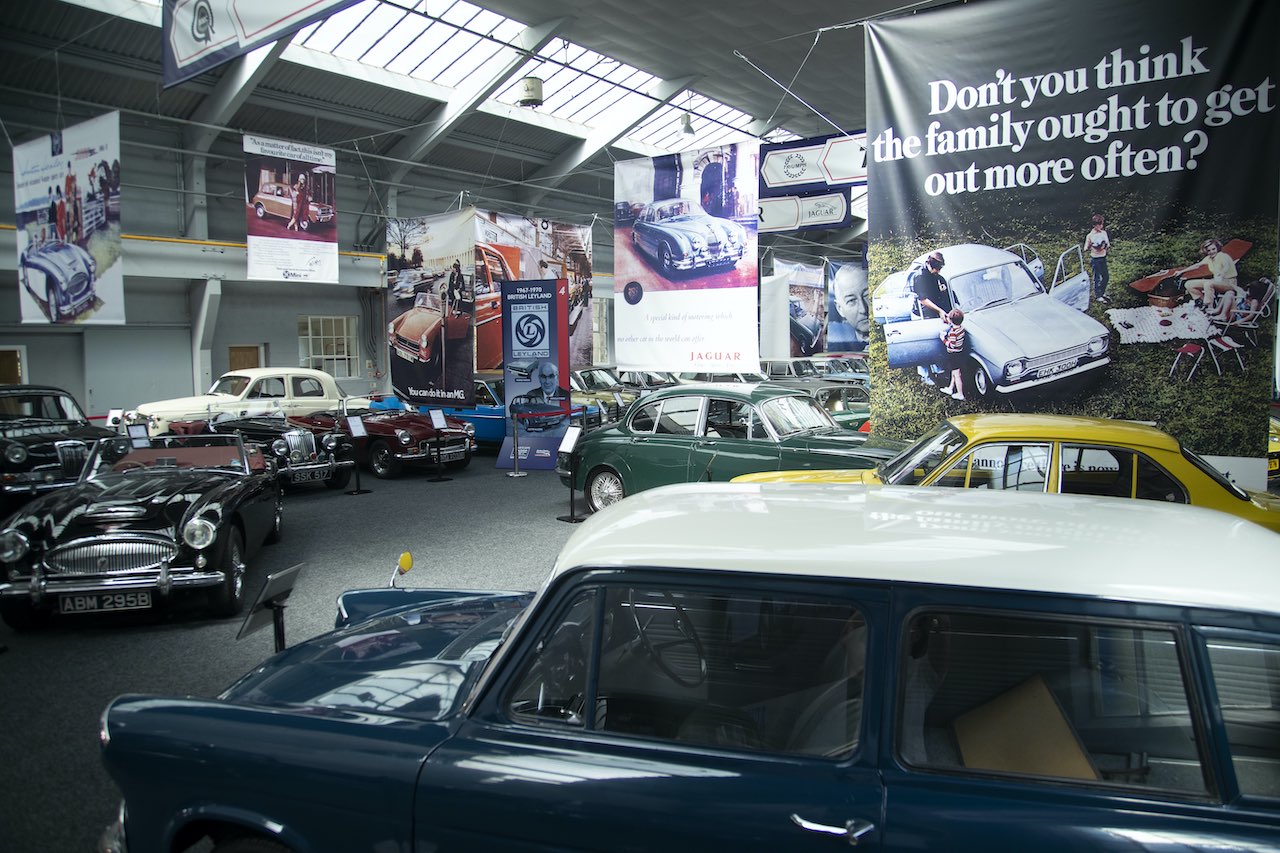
<point x="679" y="416"/>
<point x="270" y="387"/>
<point x="746" y="670"/>
<point x="1019" y="467"/>
<point x="306" y="386"/>
<point x="645" y="418"/>
<point x="1098" y="703"/>
<point x="484" y="397"/>
<point x="1247" y="677"/>
<point x="727" y="419"/>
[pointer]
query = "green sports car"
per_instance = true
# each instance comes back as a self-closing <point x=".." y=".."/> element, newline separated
<point x="712" y="432"/>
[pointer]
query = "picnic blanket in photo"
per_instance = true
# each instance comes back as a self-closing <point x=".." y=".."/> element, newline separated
<point x="1151" y="325"/>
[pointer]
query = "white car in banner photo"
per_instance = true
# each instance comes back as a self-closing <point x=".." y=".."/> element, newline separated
<point x="1020" y="333"/>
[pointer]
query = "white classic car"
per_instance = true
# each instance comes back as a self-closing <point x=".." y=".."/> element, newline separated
<point x="1020" y="332"/>
<point x="257" y="391"/>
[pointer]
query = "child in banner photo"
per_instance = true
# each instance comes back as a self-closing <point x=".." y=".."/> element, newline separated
<point x="953" y="339"/>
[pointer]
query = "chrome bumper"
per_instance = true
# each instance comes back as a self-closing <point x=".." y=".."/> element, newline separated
<point x="39" y="585"/>
<point x="113" y="838"/>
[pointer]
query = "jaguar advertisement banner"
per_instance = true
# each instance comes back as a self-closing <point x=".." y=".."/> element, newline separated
<point x="290" y="211"/>
<point x="517" y="247"/>
<point x="67" y="202"/>
<point x="685" y="261"/>
<point x="430" y="301"/>
<point x="535" y="316"/>
<point x="1075" y="210"/>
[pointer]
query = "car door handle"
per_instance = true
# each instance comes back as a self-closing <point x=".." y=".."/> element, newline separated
<point x="853" y="831"/>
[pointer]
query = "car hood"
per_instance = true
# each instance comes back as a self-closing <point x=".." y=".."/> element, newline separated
<point x="141" y="500"/>
<point x="189" y="405"/>
<point x="412" y="656"/>
<point x="56" y="257"/>
<point x="699" y="226"/>
<point x="866" y="476"/>
<point x="414" y="423"/>
<point x="1266" y="510"/>
<point x="1031" y="327"/>
<point x="34" y="433"/>
<point x="415" y="321"/>
<point x="838" y="440"/>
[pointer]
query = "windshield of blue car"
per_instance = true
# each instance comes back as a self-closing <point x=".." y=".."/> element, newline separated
<point x="233" y="385"/>
<point x="793" y="415"/>
<point x="915" y="463"/>
<point x="38" y="404"/>
<point x="973" y="291"/>
<point x="125" y="455"/>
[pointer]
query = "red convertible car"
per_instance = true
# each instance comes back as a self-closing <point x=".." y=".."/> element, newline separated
<point x="397" y="437"/>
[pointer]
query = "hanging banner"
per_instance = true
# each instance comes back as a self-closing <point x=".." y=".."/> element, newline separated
<point x="67" y="203"/>
<point x="813" y="183"/>
<point x="202" y="34"/>
<point x="535" y="315"/>
<point x="430" y="303"/>
<point x="1096" y="197"/>
<point x="514" y="247"/>
<point x="848" y="314"/>
<point x="806" y="308"/>
<point x="685" y="263"/>
<point x="290" y="211"/>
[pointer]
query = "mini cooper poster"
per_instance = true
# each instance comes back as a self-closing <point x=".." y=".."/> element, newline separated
<point x="67" y="204"/>
<point x="290" y="211"/>
<point x="685" y="264"/>
<point x="535" y="371"/>
<point x="430" y="305"/>
<point x="1074" y="210"/>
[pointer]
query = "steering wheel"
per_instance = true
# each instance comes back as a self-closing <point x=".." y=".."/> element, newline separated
<point x="688" y="637"/>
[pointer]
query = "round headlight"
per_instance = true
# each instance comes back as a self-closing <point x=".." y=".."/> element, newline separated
<point x="15" y="454"/>
<point x="469" y="428"/>
<point x="1098" y="345"/>
<point x="1015" y="368"/>
<point x="280" y="447"/>
<point x="330" y="441"/>
<point x="13" y="546"/>
<point x="199" y="533"/>
<point x="391" y="331"/>
<point x="405" y="438"/>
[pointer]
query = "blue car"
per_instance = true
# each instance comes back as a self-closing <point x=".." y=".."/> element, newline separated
<point x="734" y="666"/>
<point x="489" y="414"/>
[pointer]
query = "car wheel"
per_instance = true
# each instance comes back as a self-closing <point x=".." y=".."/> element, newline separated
<point x="51" y="295"/>
<point x="229" y="597"/>
<point x="604" y="488"/>
<point x="250" y="844"/>
<point x="339" y="479"/>
<point x="304" y="223"/>
<point x="260" y="210"/>
<point x="21" y="616"/>
<point x="277" y="523"/>
<point x="382" y="462"/>
<point x="668" y="262"/>
<point x="978" y="382"/>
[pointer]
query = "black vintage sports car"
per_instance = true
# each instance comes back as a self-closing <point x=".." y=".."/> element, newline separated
<point x="301" y="454"/>
<point x="44" y="439"/>
<point x="148" y="517"/>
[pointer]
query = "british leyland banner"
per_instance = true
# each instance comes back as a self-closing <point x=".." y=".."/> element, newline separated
<point x="1078" y="219"/>
<point x="685" y="261"/>
<point x="535" y="319"/>
<point x="67" y="209"/>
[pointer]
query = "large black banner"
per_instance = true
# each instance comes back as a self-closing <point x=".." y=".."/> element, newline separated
<point x="1099" y="182"/>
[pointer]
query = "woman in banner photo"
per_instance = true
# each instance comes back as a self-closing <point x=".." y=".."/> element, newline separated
<point x="1097" y="243"/>
<point x="1222" y="280"/>
<point x="301" y="202"/>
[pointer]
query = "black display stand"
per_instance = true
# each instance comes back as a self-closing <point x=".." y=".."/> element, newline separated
<point x="269" y="607"/>
<point x="356" y="427"/>
<point x="439" y="423"/>
<point x="515" y="448"/>
<point x="566" y="446"/>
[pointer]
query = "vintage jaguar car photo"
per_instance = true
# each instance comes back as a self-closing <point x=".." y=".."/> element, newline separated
<point x="396" y="437"/>
<point x="761" y="667"/>
<point x="44" y="441"/>
<point x="689" y="433"/>
<point x="301" y="455"/>
<point x="676" y="235"/>
<point x="148" y="518"/>
<point x="276" y="198"/>
<point x="1057" y="454"/>
<point x="255" y="391"/>
<point x="68" y="271"/>
<point x="1020" y="333"/>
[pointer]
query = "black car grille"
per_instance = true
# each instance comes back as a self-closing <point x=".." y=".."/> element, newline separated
<point x="99" y="557"/>
<point x="72" y="456"/>
<point x="302" y="445"/>
<point x="79" y="285"/>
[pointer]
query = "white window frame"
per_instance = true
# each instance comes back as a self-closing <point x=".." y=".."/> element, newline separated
<point x="321" y="348"/>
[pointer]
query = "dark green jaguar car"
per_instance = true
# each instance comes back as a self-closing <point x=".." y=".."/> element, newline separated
<point x="712" y="432"/>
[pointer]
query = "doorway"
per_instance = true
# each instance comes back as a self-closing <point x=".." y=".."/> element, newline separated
<point x="244" y="357"/>
<point x="13" y="365"/>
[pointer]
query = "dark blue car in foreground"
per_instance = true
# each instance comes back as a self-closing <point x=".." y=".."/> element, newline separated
<point x="730" y="666"/>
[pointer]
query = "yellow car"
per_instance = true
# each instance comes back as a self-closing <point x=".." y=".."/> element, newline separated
<point x="1056" y="454"/>
<point x="1273" y="453"/>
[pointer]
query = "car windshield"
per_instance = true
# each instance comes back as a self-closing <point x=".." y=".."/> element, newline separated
<point x="427" y="300"/>
<point x="132" y="455"/>
<point x="804" y="367"/>
<point x="995" y="285"/>
<point x="233" y="385"/>
<point x="753" y="377"/>
<point x="793" y="415"/>
<point x="597" y="380"/>
<point x="670" y="210"/>
<point x="44" y="405"/>
<point x="912" y="465"/>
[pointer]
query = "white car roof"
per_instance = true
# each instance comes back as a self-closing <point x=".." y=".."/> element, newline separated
<point x="256" y="372"/>
<point x="1077" y="545"/>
